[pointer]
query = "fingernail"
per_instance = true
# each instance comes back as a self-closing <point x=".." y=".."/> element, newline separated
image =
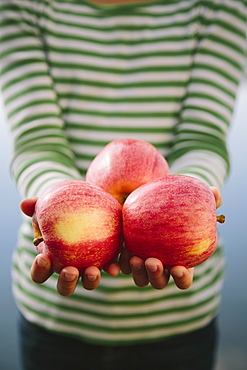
<point x="135" y="268"/>
<point x="91" y="277"/>
<point x="153" y="268"/>
<point x="41" y="262"/>
<point x="179" y="274"/>
<point x="69" y="277"/>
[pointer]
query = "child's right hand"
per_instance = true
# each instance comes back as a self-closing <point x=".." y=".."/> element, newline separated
<point x="41" y="269"/>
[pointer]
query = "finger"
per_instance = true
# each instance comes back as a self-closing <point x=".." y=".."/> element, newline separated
<point x="112" y="268"/>
<point x="182" y="277"/>
<point x="124" y="261"/>
<point x="139" y="272"/>
<point x="91" y="278"/>
<point x="41" y="269"/>
<point x="27" y="206"/>
<point x="217" y="195"/>
<point x="67" y="281"/>
<point x="158" y="276"/>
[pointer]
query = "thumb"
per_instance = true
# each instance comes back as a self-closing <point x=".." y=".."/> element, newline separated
<point x="217" y="195"/>
<point x="27" y="206"/>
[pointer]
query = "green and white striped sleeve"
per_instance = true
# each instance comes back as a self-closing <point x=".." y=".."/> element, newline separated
<point x="200" y="145"/>
<point x="41" y="154"/>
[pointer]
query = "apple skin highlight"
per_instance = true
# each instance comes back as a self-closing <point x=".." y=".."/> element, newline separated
<point x="80" y="224"/>
<point x="173" y="219"/>
<point x="124" y="165"/>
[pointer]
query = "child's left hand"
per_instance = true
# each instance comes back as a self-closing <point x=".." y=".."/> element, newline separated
<point x="152" y="270"/>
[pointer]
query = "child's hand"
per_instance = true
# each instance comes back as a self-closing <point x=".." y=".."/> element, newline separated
<point x="144" y="272"/>
<point x="217" y="195"/>
<point x="41" y="269"/>
<point x="152" y="270"/>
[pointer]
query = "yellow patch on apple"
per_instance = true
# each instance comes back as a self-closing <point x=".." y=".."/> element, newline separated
<point x="84" y="226"/>
<point x="201" y="247"/>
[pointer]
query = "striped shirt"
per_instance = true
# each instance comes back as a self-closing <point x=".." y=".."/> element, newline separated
<point x="76" y="75"/>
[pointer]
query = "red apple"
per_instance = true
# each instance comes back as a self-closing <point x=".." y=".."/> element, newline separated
<point x="77" y="224"/>
<point x="173" y="219"/>
<point x="124" y="165"/>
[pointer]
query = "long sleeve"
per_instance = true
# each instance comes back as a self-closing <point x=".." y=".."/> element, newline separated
<point x="41" y="152"/>
<point x="200" y="145"/>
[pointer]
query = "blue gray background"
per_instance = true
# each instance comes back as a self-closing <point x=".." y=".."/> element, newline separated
<point x="233" y="317"/>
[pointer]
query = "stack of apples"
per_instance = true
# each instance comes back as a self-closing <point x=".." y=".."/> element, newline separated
<point x="128" y="196"/>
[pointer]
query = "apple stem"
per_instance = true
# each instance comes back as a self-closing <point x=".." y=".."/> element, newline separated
<point x="36" y="241"/>
<point x="221" y="219"/>
<point x="124" y="197"/>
